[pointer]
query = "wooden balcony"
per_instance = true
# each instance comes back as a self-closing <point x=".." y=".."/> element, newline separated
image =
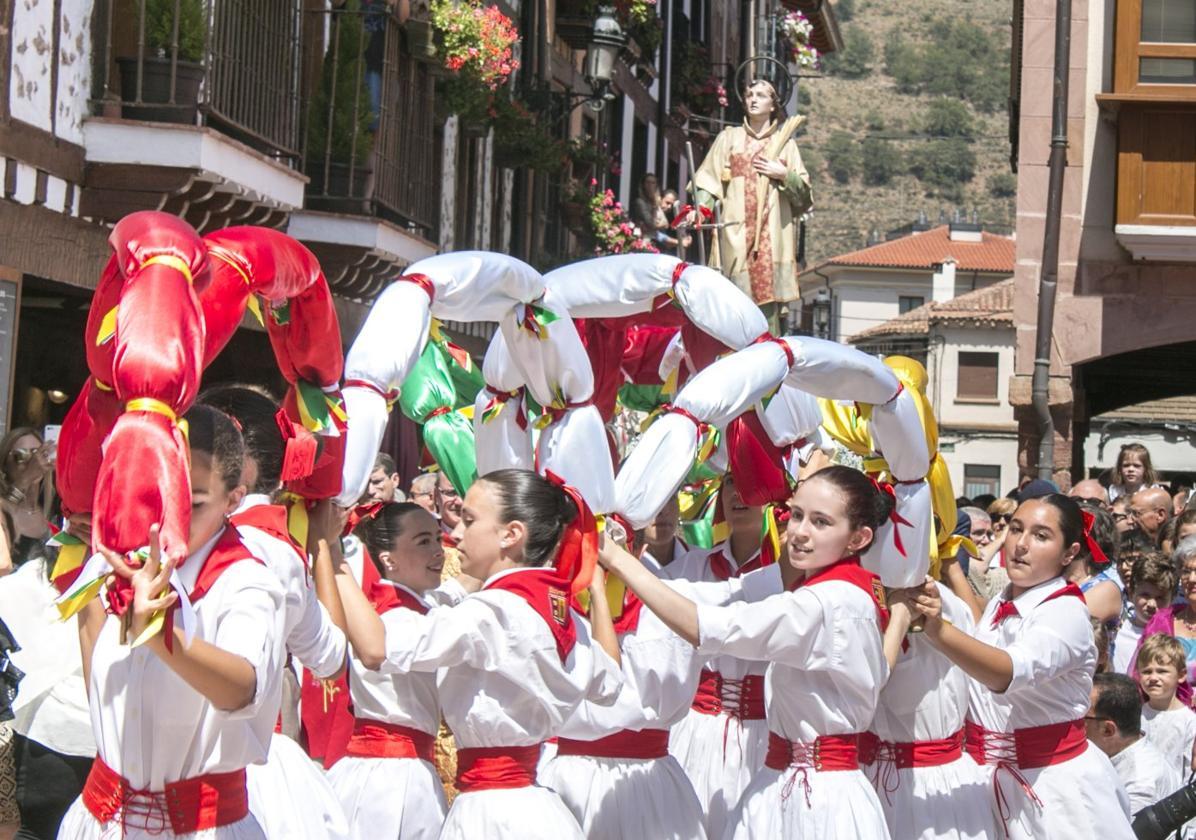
<point x="198" y="112"/>
<point x="371" y="150"/>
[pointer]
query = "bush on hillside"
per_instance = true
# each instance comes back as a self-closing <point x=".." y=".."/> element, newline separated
<point x="854" y="61"/>
<point x="943" y="163"/>
<point x="948" y="118"/>
<point x="1002" y="185"/>
<point x="842" y="157"/>
<point x="959" y="60"/>
<point x="881" y="163"/>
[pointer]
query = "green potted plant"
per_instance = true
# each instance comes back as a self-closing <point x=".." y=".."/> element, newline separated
<point x="156" y="62"/>
<point x="339" y="140"/>
<point x="575" y="204"/>
<point x="523" y="142"/>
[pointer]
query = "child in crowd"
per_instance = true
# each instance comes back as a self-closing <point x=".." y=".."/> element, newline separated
<point x="1133" y="472"/>
<point x="1151" y="586"/>
<point x="1169" y="724"/>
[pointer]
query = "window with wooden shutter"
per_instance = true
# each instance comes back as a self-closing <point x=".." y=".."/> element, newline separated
<point x="977" y="376"/>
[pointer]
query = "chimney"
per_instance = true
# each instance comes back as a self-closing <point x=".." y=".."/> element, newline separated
<point x="943" y="282"/>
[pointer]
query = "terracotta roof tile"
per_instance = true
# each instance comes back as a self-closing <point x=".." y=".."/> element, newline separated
<point x="931" y="247"/>
<point x="1182" y="409"/>
<point x="990" y="306"/>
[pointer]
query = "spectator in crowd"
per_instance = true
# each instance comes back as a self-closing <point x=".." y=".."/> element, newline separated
<point x="384" y="481"/>
<point x="983" y="500"/>
<point x="1185" y="525"/>
<point x="448" y="507"/>
<point x="1167" y="539"/>
<point x="1099" y="580"/>
<point x="1090" y="490"/>
<point x="1132" y="545"/>
<point x="648" y="213"/>
<point x="962" y="502"/>
<point x="1151" y="508"/>
<point x="981" y="531"/>
<point x="1122" y="517"/>
<point x="660" y="538"/>
<point x="26" y="496"/>
<point x="1151" y="586"/>
<point x="1179" y="499"/>
<point x="423" y="492"/>
<point x="1114" y="724"/>
<point x="1100" y="638"/>
<point x="1133" y="472"/>
<point x="1168" y="721"/>
<point x="1178" y="619"/>
<point x="1000" y="512"/>
<point x="1036" y="488"/>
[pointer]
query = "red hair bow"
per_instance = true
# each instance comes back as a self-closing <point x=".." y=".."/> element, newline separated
<point x="1098" y="555"/>
<point x="578" y="553"/>
<point x="705" y="212"/>
<point x="894" y="517"/>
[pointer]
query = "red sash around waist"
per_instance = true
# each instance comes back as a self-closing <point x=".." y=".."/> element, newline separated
<point x="626" y="743"/>
<point x="826" y="752"/>
<point x="496" y="768"/>
<point x="377" y="739"/>
<point x="742" y="699"/>
<point x="184" y="807"/>
<point x="903" y="755"/>
<point x="1028" y="748"/>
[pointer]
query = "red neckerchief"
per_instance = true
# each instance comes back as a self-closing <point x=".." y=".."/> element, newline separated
<point x="1006" y="609"/>
<point x="721" y="568"/>
<point x="548" y="594"/>
<point x="402" y="599"/>
<point x="850" y="571"/>
<point x="447" y="539"/>
<point x="269" y="519"/>
<point x="381" y="596"/>
<point x="228" y="550"/>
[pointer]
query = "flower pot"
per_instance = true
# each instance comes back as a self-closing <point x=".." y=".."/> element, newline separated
<point x="155" y="90"/>
<point x="341" y="183"/>
<point x="421" y="40"/>
<point x="574" y="214"/>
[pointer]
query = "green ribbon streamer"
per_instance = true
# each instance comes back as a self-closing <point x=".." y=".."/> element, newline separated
<point x="641" y="397"/>
<point x="429" y="397"/>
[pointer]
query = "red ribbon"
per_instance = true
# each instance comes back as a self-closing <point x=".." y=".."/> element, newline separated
<point x="705" y="212"/>
<point x="766" y="337"/>
<point x="1098" y="554"/>
<point x="421" y="280"/>
<point x="678" y="270"/>
<point x="390" y="396"/>
<point x="500" y="397"/>
<point x="360" y="514"/>
<point x="894" y="517"/>
<point x="578" y="552"/>
<point x="438" y="412"/>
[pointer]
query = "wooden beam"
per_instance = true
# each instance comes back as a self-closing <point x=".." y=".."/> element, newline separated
<point x="47" y="244"/>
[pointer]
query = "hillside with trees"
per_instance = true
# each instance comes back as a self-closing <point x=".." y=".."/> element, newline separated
<point x="910" y="117"/>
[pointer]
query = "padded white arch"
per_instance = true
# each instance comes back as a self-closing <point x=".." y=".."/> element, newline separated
<point x="466" y="286"/>
<point x="629" y="284"/>
<point x="500" y="440"/>
<point x="666" y="451"/>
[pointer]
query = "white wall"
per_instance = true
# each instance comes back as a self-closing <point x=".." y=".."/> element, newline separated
<point x="1169" y="449"/>
<point x="866" y="297"/>
<point x="946" y="343"/>
<point x="987" y="449"/>
<point x="31" y="96"/>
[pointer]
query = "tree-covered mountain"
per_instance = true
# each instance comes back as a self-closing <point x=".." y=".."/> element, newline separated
<point x="910" y="117"/>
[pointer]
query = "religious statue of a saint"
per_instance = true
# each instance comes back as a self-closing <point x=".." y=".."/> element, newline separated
<point x="755" y="172"/>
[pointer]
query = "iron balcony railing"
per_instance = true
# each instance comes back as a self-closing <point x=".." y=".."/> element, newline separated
<point x="370" y="144"/>
<point x="231" y="64"/>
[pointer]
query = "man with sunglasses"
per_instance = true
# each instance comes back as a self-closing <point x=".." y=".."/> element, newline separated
<point x="1090" y="490"/>
<point x="1114" y="724"/>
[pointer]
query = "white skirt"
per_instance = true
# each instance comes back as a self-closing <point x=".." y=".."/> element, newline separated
<point x="530" y="813"/>
<point x="79" y="824"/>
<point x="291" y="797"/>
<point x="389" y="798"/>
<point x="839" y="805"/>
<point x="719" y="774"/>
<point x="950" y="802"/>
<point x="622" y="799"/>
<point x="1082" y="797"/>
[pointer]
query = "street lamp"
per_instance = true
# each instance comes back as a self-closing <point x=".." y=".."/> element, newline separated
<point x="606" y="40"/>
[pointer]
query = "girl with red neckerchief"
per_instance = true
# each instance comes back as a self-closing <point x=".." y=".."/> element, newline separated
<point x="1031" y="664"/>
<point x="177" y="722"/>
<point x="823" y="640"/>
<point x="513" y="660"/>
